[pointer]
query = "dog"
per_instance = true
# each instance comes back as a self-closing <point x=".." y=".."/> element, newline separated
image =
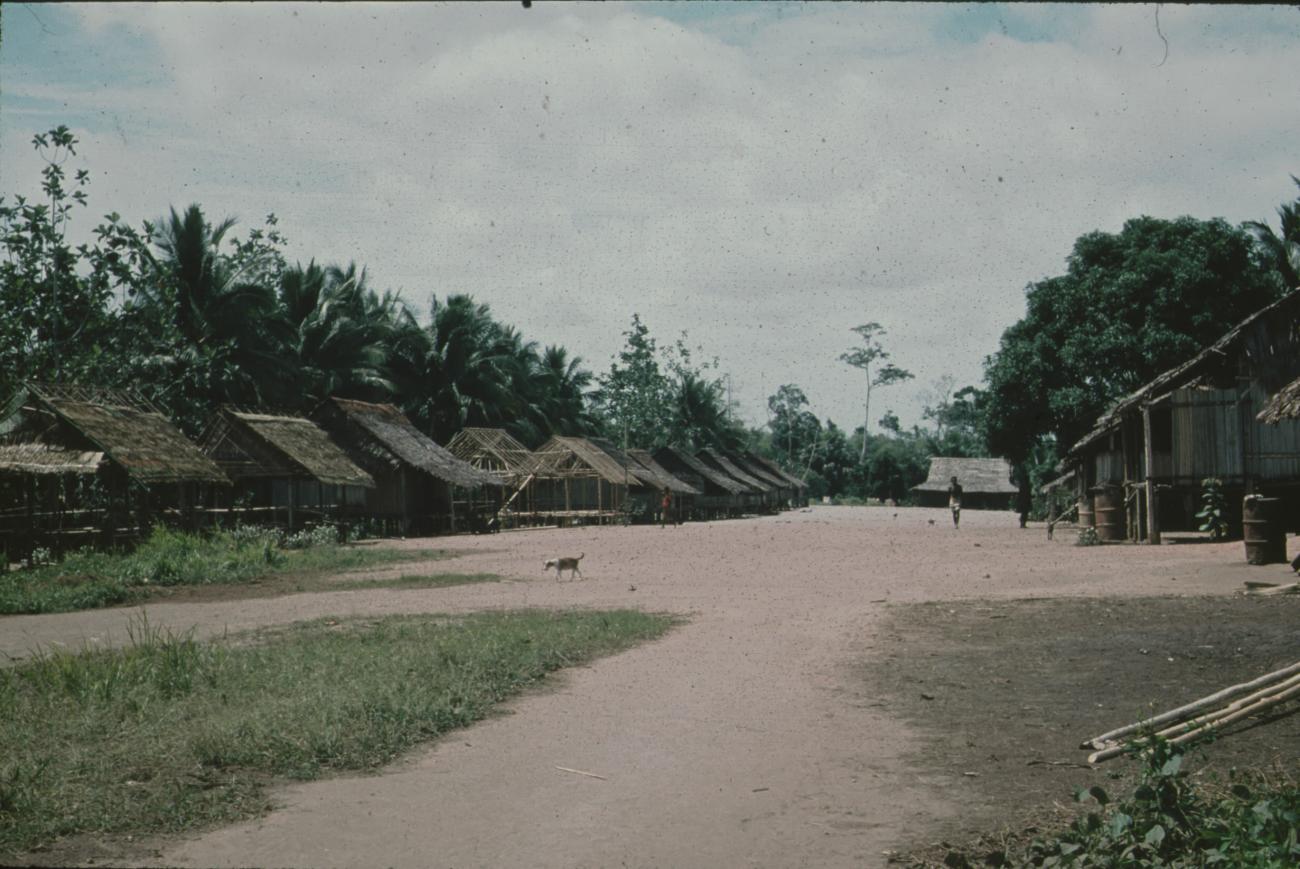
<point x="563" y="564"/>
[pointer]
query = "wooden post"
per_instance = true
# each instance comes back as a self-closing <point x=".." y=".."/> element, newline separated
<point x="401" y="489"/>
<point x="1153" y="513"/>
<point x="293" y="493"/>
<point x="451" y="507"/>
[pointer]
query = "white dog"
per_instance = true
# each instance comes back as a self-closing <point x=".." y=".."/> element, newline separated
<point x="563" y="564"/>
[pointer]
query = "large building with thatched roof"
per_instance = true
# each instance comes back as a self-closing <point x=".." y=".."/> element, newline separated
<point x="986" y="483"/>
<point x="64" y="448"/>
<point x="417" y="482"/>
<point x="284" y="462"/>
<point x="756" y="494"/>
<point x="1144" y="462"/>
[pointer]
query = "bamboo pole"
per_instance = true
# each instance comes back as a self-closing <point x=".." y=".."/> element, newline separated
<point x="1245" y="706"/>
<point x="1183" y="711"/>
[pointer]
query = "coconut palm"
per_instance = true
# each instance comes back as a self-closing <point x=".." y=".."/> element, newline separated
<point x="1282" y="249"/>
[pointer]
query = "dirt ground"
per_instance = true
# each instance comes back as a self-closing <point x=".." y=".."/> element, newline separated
<point x="784" y="723"/>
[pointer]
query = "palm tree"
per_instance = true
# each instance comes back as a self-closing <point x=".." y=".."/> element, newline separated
<point x="220" y="350"/>
<point x="564" y="383"/>
<point x="335" y="332"/>
<point x="1282" y="250"/>
<point x="699" y="415"/>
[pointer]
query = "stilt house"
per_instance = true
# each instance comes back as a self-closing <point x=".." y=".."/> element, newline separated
<point x="721" y="495"/>
<point x="576" y="480"/>
<point x="986" y="483"/>
<point x="418" y="484"/>
<point x="285" y="467"/>
<point x="90" y="466"/>
<point x="798" y="488"/>
<point x="1143" y="464"/>
<point x="683" y="493"/>
<point x="495" y="451"/>
<point x="755" y="496"/>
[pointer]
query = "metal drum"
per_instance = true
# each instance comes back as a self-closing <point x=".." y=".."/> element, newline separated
<point x="1265" y="536"/>
<point x="1086" y="517"/>
<point x="1108" y="502"/>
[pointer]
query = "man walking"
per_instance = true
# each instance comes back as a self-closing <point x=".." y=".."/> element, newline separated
<point x="954" y="502"/>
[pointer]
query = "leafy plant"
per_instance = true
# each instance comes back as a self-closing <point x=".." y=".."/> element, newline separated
<point x="1168" y="822"/>
<point x="1088" y="537"/>
<point x="1214" y="508"/>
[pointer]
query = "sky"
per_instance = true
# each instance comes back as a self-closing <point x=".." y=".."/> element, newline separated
<point x="762" y="177"/>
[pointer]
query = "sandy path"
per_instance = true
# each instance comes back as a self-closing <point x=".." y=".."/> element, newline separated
<point x="742" y="739"/>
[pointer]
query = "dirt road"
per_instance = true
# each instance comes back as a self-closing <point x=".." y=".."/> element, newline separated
<point x="746" y="737"/>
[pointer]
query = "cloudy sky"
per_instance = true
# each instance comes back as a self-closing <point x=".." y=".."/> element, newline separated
<point x="761" y="176"/>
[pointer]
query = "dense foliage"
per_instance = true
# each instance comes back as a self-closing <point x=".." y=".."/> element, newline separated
<point x="1129" y="307"/>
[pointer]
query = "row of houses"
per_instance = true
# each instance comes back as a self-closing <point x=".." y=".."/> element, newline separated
<point x="1231" y="412"/>
<point x="88" y="466"/>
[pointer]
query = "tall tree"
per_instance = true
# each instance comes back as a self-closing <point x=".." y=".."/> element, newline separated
<point x="1130" y="306"/>
<point x="863" y="358"/>
<point x="634" y="395"/>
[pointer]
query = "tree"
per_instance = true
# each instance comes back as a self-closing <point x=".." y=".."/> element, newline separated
<point x="634" y="394"/>
<point x="794" y="429"/>
<point x="863" y="358"/>
<point x="1282" y="250"/>
<point x="1130" y="306"/>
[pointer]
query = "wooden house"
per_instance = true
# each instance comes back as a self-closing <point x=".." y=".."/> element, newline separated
<point x="91" y="466"/>
<point x="419" y="485"/>
<point x="1142" y="466"/>
<point x="782" y="492"/>
<point x="986" y="483"/>
<point x="720" y="495"/>
<point x="284" y="466"/>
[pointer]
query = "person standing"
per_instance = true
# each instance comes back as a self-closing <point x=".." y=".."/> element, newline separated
<point x="954" y="502"/>
<point x="666" y="508"/>
<point x="1024" y="502"/>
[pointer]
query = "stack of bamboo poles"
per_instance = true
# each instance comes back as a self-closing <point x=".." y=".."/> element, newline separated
<point x="1192" y="721"/>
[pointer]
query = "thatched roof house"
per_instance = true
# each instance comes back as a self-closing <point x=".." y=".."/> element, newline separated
<point x="263" y="445"/>
<point x="55" y="429"/>
<point x="663" y="479"/>
<point x="416" y="480"/>
<point x="719" y="461"/>
<point x="380" y="434"/>
<point x="576" y="477"/>
<point x="1207" y="417"/>
<point x="493" y="450"/>
<point x="986" y="483"/>
<point x="687" y="467"/>
<point x="1285" y="404"/>
<point x="776" y="470"/>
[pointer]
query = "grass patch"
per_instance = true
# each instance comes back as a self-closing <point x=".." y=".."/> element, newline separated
<point x="416" y="580"/>
<point x="169" y="734"/>
<point x="86" y="580"/>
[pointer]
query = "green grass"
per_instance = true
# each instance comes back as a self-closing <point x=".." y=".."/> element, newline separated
<point x="170" y="734"/>
<point x="416" y="580"/>
<point x="86" y="580"/>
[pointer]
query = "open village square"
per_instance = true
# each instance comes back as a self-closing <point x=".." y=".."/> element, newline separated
<point x="649" y="435"/>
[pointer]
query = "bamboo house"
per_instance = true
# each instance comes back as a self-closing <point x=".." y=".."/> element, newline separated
<point x="92" y="466"/>
<point x="577" y="481"/>
<point x="495" y="451"/>
<point x="284" y="466"/>
<point x="720" y="495"/>
<point x="756" y="493"/>
<point x="1219" y="415"/>
<point x="419" y="485"/>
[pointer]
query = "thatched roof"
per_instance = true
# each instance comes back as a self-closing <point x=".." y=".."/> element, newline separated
<point x="775" y="469"/>
<point x="1205" y="363"/>
<point x="990" y="476"/>
<point x="383" y="433"/>
<point x="560" y="454"/>
<point x="746" y="463"/>
<point x="1064" y="480"/>
<point x="297" y="447"/>
<point x="493" y="450"/>
<point x="663" y="479"/>
<point x="722" y="463"/>
<point x="675" y="458"/>
<point x="125" y="429"/>
<point x="38" y="458"/>
<point x="1285" y="404"/>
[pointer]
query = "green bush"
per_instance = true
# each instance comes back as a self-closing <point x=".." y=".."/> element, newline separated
<point x="1214" y="510"/>
<point x="1167" y="822"/>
